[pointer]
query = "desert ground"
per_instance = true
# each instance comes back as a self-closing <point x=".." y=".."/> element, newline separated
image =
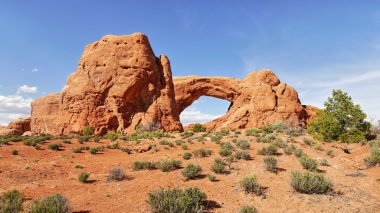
<point x="38" y="173"/>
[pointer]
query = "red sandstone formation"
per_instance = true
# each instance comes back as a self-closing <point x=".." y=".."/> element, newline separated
<point x="120" y="85"/>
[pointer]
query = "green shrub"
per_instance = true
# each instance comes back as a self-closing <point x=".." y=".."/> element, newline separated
<point x="269" y="150"/>
<point x="289" y="150"/>
<point x="266" y="138"/>
<point x="252" y="132"/>
<point x="323" y="162"/>
<point x="329" y="153"/>
<point x="83" y="177"/>
<point x="113" y="145"/>
<point x="250" y="185"/>
<point x="187" y="156"/>
<point x="224" y="152"/>
<point x="88" y="130"/>
<point x="93" y="150"/>
<point x="308" y="163"/>
<point x="97" y="139"/>
<point x="52" y="204"/>
<point x="168" y="165"/>
<point x="243" y="144"/>
<point x="340" y="120"/>
<point x="191" y="171"/>
<point x="144" y="135"/>
<point x="166" y="143"/>
<point x="247" y="209"/>
<point x="126" y="150"/>
<point x="187" y="134"/>
<point x="66" y="141"/>
<point x="242" y="155"/>
<point x="201" y="153"/>
<point x="144" y="165"/>
<point x="11" y="201"/>
<point x="212" y="178"/>
<point x="78" y="166"/>
<point x="198" y="128"/>
<point x="116" y="174"/>
<point x="298" y="153"/>
<point x="279" y="143"/>
<point x="184" y="147"/>
<point x="190" y="200"/>
<point x="308" y="141"/>
<point x="270" y="164"/>
<point x="54" y="146"/>
<point x="310" y="183"/>
<point x="373" y="158"/>
<point x="219" y="166"/>
<point x="14" y="152"/>
<point x="76" y="150"/>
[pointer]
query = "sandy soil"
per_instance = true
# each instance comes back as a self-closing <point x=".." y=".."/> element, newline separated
<point x="38" y="173"/>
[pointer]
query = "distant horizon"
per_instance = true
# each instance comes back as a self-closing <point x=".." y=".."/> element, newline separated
<point x="313" y="47"/>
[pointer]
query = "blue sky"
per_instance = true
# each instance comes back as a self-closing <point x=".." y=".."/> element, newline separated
<point x="314" y="46"/>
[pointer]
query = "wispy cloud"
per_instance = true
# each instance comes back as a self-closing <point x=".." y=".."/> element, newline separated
<point x="192" y="115"/>
<point x="27" y="89"/>
<point x="35" y="69"/>
<point x="13" y="107"/>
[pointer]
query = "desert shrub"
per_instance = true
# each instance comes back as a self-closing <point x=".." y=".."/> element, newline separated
<point x="144" y="165"/>
<point x="373" y="158"/>
<point x="54" y="146"/>
<point x="76" y="150"/>
<point x="186" y="134"/>
<point x="201" y="153"/>
<point x="88" y="130"/>
<point x="66" y="141"/>
<point x="318" y="147"/>
<point x="78" y="166"/>
<point x="310" y="183"/>
<point x="187" y="156"/>
<point x="52" y="204"/>
<point x="190" y="200"/>
<point x="166" y="143"/>
<point x="252" y="132"/>
<point x="225" y="152"/>
<point x="289" y="150"/>
<point x="323" y="162"/>
<point x="269" y="150"/>
<point x="243" y="144"/>
<point x="97" y="139"/>
<point x="247" y="209"/>
<point x="168" y="165"/>
<point x="250" y="185"/>
<point x="116" y="174"/>
<point x="83" y="177"/>
<point x="211" y="178"/>
<point x="184" y="147"/>
<point x="191" y="171"/>
<point x="242" y="155"/>
<point x="266" y="138"/>
<point x="219" y="166"/>
<point x="11" y="201"/>
<point x="268" y="129"/>
<point x="198" y="128"/>
<point x="93" y="150"/>
<point x="279" y="143"/>
<point x="270" y="164"/>
<point x="308" y="163"/>
<point x="113" y="145"/>
<point x="298" y="153"/>
<point x="126" y="150"/>
<point x="340" y="120"/>
<point x="14" y="152"/>
<point x="329" y="152"/>
<point x="308" y="141"/>
<point x="147" y="135"/>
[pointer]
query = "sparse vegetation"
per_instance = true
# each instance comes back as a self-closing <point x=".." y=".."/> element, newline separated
<point x="54" y="146"/>
<point x="270" y="164"/>
<point x="88" y="131"/>
<point x="52" y="204"/>
<point x="116" y="174"/>
<point x="243" y="144"/>
<point x="242" y="155"/>
<point x="83" y="177"/>
<point x="201" y="153"/>
<point x="310" y="183"/>
<point x="11" y="201"/>
<point x="250" y="185"/>
<point x="308" y="141"/>
<point x="191" y="171"/>
<point x="373" y="158"/>
<point x="269" y="150"/>
<point x="168" y="165"/>
<point x="247" y="209"/>
<point x="198" y="128"/>
<point x="189" y="200"/>
<point x="219" y="166"/>
<point x="308" y="163"/>
<point x="211" y="178"/>
<point x="14" y="152"/>
<point x="252" y="132"/>
<point x="144" y="165"/>
<point x="187" y="156"/>
<point x="298" y="153"/>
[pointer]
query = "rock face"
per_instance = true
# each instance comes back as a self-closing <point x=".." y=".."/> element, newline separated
<point x="258" y="99"/>
<point x="120" y="85"/>
<point x="17" y="127"/>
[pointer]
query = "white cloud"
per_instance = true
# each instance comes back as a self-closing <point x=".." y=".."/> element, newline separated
<point x="13" y="107"/>
<point x="192" y="115"/>
<point x="35" y="69"/>
<point x="27" y="89"/>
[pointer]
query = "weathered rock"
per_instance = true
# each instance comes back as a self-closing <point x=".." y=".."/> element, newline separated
<point x="28" y="133"/>
<point x="22" y="124"/>
<point x="119" y="85"/>
<point x="258" y="99"/>
<point x="6" y="131"/>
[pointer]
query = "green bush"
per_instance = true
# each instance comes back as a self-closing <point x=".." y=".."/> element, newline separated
<point x="88" y="130"/>
<point x="270" y="164"/>
<point x="201" y="153"/>
<point x="54" y="146"/>
<point x="289" y="150"/>
<point x="373" y="158"/>
<point x="126" y="150"/>
<point x="184" y="147"/>
<point x="310" y="183"/>
<point x="144" y="165"/>
<point x="116" y="174"/>
<point x="212" y="178"/>
<point x="247" y="209"/>
<point x="242" y="155"/>
<point x="308" y="141"/>
<point x="250" y="185"/>
<point x="14" y="152"/>
<point x="83" y="177"/>
<point x="298" y="153"/>
<point x="113" y="145"/>
<point x="191" y="171"/>
<point x="219" y="166"/>
<point x="252" y="132"/>
<point x="187" y="156"/>
<point x="52" y="204"/>
<point x="190" y="200"/>
<point x="144" y="135"/>
<point x="329" y="153"/>
<point x="269" y="150"/>
<point x="93" y="150"/>
<point x="76" y="150"/>
<point x="340" y="120"/>
<point x="78" y="166"/>
<point x="166" y="143"/>
<point x="198" y="128"/>
<point x="168" y="165"/>
<point x="308" y="163"/>
<point x="11" y="201"/>
<point x="243" y="144"/>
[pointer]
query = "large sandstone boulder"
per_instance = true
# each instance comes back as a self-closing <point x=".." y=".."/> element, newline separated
<point x="258" y="99"/>
<point x="119" y="85"/>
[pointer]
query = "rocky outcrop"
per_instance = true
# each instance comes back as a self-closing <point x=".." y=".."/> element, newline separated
<point x="258" y="99"/>
<point x="17" y="127"/>
<point x="119" y="85"/>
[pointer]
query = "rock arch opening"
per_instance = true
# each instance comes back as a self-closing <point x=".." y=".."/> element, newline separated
<point x="204" y="110"/>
